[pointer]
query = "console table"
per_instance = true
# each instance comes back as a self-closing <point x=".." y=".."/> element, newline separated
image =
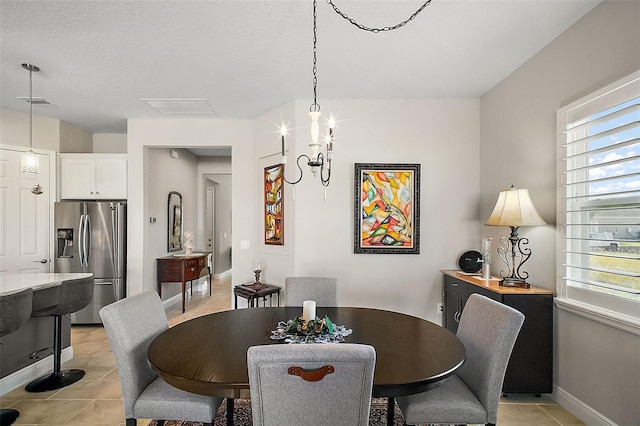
<point x="182" y="268"/>
<point x="253" y="294"/>
<point x="530" y="368"/>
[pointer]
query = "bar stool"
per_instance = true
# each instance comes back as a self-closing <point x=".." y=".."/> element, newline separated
<point x="74" y="295"/>
<point x="15" y="310"/>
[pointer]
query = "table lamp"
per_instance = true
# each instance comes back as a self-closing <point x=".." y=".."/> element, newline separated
<point x="514" y="209"/>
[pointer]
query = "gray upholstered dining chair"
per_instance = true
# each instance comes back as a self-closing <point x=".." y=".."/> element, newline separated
<point x="311" y="384"/>
<point x="320" y="289"/>
<point x="488" y="330"/>
<point x="131" y="324"/>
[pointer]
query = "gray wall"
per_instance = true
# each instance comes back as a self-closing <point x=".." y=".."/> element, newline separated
<point x="595" y="364"/>
<point x="165" y="174"/>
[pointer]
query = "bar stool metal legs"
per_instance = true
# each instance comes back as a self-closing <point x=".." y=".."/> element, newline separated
<point x="8" y="416"/>
<point x="58" y="379"/>
<point x="74" y="295"/>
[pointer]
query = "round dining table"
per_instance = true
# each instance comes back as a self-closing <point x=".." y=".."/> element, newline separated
<point x="208" y="355"/>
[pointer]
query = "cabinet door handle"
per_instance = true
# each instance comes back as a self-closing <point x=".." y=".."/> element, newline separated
<point x="456" y="316"/>
<point x="454" y="284"/>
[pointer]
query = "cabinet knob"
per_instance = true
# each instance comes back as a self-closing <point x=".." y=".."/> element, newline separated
<point x="91" y="192"/>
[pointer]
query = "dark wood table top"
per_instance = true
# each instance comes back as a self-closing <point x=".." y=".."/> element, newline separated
<point x="208" y="355"/>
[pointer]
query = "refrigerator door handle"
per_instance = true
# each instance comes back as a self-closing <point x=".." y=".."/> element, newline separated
<point x="87" y="240"/>
<point x="80" y="240"/>
<point x="116" y="241"/>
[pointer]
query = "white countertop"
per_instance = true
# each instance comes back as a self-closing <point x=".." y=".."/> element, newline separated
<point x="13" y="282"/>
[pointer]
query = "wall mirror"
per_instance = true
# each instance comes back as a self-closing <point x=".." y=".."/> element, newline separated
<point x="174" y="241"/>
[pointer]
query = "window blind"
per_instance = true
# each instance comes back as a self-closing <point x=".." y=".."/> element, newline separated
<point x="600" y="196"/>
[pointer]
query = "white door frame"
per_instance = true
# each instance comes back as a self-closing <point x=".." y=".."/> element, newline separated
<point x="53" y="189"/>
<point x="210" y="223"/>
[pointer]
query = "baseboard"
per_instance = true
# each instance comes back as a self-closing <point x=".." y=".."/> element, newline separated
<point x="198" y="285"/>
<point x="32" y="372"/>
<point x="222" y="275"/>
<point x="578" y="408"/>
<point x="172" y="300"/>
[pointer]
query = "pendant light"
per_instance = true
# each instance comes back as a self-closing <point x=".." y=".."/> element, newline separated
<point x="30" y="162"/>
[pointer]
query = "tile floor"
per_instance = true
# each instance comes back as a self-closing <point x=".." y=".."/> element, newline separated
<point x="97" y="400"/>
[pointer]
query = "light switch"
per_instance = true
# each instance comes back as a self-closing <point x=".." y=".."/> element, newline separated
<point x="244" y="245"/>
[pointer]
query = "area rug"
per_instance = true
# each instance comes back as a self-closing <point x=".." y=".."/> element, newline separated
<point x="242" y="415"/>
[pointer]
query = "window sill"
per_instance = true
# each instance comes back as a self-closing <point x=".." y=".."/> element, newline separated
<point x="603" y="316"/>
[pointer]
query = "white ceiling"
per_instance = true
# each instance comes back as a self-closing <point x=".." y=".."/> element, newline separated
<point x="98" y="59"/>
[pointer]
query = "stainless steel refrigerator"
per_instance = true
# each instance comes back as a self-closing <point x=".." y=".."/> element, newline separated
<point x="91" y="237"/>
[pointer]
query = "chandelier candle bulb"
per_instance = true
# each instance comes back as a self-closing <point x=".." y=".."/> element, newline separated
<point x="308" y="310"/>
<point x="283" y="153"/>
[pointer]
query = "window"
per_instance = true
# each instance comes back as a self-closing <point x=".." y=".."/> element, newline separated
<point x="599" y="203"/>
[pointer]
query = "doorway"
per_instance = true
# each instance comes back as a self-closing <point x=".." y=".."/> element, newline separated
<point x="210" y="222"/>
<point x="217" y="199"/>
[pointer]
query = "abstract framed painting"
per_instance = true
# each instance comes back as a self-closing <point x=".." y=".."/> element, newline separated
<point x="387" y="208"/>
<point x="274" y="205"/>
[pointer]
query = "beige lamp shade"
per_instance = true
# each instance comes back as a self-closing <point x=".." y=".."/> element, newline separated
<point x="514" y="208"/>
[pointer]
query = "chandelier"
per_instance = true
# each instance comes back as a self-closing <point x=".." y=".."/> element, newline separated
<point x="319" y="162"/>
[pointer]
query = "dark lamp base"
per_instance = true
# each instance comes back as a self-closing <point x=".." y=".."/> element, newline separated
<point x="510" y="282"/>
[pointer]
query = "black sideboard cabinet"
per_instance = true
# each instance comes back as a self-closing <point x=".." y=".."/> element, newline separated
<point x="530" y="368"/>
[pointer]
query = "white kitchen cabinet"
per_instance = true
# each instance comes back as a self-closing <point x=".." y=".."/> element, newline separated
<point x="93" y="176"/>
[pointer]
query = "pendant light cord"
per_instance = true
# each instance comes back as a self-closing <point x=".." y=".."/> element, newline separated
<point x="378" y="29"/>
<point x="30" y="109"/>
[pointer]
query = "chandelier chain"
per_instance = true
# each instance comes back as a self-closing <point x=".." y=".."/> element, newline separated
<point x="376" y="29"/>
<point x="315" y="106"/>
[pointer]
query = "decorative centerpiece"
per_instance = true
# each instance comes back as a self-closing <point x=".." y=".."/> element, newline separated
<point x="318" y="330"/>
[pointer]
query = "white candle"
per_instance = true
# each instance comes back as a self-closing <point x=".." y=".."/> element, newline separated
<point x="308" y="310"/>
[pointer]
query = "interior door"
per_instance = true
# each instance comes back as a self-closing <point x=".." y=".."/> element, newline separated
<point x="25" y="218"/>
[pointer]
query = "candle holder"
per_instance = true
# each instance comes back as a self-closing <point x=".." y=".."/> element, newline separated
<point x="257" y="270"/>
<point x="486" y="259"/>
